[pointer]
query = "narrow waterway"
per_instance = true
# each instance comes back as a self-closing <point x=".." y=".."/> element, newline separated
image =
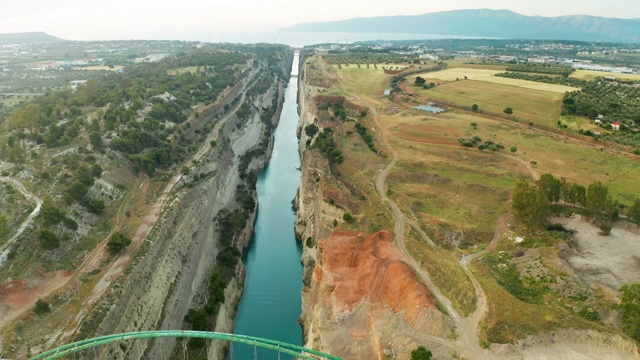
<point x="270" y="304"/>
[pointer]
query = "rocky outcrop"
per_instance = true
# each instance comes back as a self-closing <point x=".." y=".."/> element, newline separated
<point x="171" y="274"/>
<point x="361" y="293"/>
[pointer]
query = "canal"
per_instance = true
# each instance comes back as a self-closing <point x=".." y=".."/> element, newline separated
<point x="271" y="304"/>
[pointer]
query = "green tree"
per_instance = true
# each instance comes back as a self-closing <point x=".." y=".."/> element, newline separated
<point x="421" y="353"/>
<point x="630" y="305"/>
<point x="96" y="140"/>
<point x="42" y="307"/>
<point x="513" y="149"/>
<point x="77" y="191"/>
<point x="96" y="170"/>
<point x="95" y="206"/>
<point x="311" y="130"/>
<point x="118" y="242"/>
<point x="85" y="176"/>
<point x="529" y="205"/>
<point x="50" y="214"/>
<point x="576" y="194"/>
<point x="550" y="187"/>
<point x="508" y="111"/>
<point x="49" y="239"/>
<point x="599" y="203"/>
<point x="420" y="81"/>
<point x="634" y="212"/>
<point x="474" y="107"/>
<point x="474" y="125"/>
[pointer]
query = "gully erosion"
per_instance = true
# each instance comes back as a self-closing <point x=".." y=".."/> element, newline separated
<point x="188" y="237"/>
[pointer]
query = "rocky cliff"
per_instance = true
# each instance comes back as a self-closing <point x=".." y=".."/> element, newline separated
<point x="171" y="274"/>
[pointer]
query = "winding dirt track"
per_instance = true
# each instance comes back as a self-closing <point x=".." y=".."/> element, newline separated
<point x="467" y="343"/>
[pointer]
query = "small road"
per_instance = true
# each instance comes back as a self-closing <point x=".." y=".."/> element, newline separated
<point x="5" y="248"/>
<point x="467" y="343"/>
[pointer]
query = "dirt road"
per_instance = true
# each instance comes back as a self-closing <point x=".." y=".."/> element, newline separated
<point x="4" y="249"/>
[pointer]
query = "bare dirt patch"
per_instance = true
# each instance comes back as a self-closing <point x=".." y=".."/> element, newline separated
<point x="18" y="296"/>
<point x="611" y="261"/>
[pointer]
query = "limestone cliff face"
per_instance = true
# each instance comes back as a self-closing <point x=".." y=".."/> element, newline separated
<point x="171" y="276"/>
<point x="360" y="300"/>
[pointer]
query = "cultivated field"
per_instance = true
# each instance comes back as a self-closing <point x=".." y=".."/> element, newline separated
<point x="528" y="105"/>
<point x="487" y="75"/>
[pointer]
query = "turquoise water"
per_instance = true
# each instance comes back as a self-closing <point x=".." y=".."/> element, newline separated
<point x="270" y="304"/>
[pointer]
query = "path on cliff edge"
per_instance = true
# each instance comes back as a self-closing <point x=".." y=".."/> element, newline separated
<point x="467" y="343"/>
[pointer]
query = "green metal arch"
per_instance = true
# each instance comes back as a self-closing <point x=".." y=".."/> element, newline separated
<point x="294" y="350"/>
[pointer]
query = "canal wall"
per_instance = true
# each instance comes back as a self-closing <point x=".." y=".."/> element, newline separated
<point x="171" y="275"/>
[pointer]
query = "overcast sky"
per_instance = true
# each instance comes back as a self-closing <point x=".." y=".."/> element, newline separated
<point x="182" y="19"/>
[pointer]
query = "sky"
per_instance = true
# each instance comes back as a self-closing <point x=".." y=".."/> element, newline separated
<point x="192" y="19"/>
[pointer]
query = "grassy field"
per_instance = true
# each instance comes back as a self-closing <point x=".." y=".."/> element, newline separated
<point x="363" y="81"/>
<point x="591" y="75"/>
<point x="488" y="75"/>
<point x="528" y="105"/>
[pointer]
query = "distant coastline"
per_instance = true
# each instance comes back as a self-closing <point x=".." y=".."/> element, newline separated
<point x="299" y="39"/>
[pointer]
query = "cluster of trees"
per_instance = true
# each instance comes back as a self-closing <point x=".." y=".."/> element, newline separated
<point x="57" y="118"/>
<point x="541" y="69"/>
<point x="476" y="141"/>
<point x="630" y="306"/>
<point x="420" y="81"/>
<point x="530" y="203"/>
<point x="339" y="111"/>
<point x="325" y="142"/>
<point x="366" y="136"/>
<point x="78" y="191"/>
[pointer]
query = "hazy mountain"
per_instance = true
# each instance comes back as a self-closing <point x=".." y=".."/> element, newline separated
<point x="27" y="38"/>
<point x="489" y="23"/>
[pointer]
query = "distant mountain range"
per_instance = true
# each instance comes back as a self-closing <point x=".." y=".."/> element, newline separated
<point x="489" y="23"/>
<point x="27" y="38"/>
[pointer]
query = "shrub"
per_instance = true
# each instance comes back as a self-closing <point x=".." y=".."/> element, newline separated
<point x="49" y="239"/>
<point x="421" y="353"/>
<point x="118" y="242"/>
<point x="42" y="307"/>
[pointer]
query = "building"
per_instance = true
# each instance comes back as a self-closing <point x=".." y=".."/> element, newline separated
<point x="431" y="109"/>
<point x="616" y="125"/>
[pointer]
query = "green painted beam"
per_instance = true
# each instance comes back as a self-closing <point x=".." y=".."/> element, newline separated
<point x="285" y="348"/>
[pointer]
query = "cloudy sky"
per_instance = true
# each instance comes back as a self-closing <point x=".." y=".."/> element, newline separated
<point x="186" y="19"/>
